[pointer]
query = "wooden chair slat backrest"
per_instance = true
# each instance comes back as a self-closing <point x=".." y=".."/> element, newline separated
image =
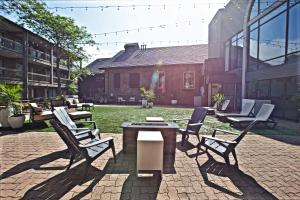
<point x="245" y="131"/>
<point x="66" y="136"/>
<point x="61" y="114"/>
<point x="198" y="116"/>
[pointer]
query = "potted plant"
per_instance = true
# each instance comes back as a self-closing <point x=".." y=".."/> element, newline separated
<point x="296" y="98"/>
<point x="10" y="95"/>
<point x="173" y="99"/>
<point x="5" y="110"/>
<point x="148" y="97"/>
<point x="17" y="119"/>
<point x="219" y="99"/>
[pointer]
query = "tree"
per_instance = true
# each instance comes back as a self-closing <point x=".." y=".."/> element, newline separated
<point x="67" y="38"/>
<point x="77" y="74"/>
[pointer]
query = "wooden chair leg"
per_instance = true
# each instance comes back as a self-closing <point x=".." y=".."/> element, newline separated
<point x="72" y="156"/>
<point x="198" y="137"/>
<point x="226" y="158"/>
<point x="183" y="138"/>
<point x="113" y="151"/>
<point x="234" y="156"/>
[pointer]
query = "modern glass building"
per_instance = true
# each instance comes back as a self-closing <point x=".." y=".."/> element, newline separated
<point x="263" y="53"/>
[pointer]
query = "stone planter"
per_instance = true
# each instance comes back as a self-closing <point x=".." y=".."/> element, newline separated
<point x="174" y="102"/>
<point x="150" y="104"/>
<point x="4" y="114"/>
<point x="144" y="103"/>
<point x="16" y="121"/>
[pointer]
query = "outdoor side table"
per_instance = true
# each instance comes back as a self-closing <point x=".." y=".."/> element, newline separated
<point x="154" y="119"/>
<point x="150" y="145"/>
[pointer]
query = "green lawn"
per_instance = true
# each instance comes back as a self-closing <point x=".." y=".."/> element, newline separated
<point x="110" y="118"/>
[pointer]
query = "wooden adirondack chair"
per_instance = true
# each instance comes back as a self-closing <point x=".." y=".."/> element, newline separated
<point x="194" y="124"/>
<point x="61" y="115"/>
<point x="223" y="147"/>
<point x="90" y="151"/>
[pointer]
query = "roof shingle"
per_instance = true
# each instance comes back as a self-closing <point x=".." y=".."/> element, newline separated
<point x="191" y="54"/>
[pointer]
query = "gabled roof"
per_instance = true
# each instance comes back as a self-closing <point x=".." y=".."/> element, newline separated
<point x="134" y="57"/>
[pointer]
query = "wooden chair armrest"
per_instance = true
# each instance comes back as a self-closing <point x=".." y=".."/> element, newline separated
<point x="96" y="142"/>
<point x="83" y="131"/>
<point x="195" y="124"/>
<point x="219" y="139"/>
<point x="223" y="131"/>
<point x="182" y="119"/>
<point x="91" y="122"/>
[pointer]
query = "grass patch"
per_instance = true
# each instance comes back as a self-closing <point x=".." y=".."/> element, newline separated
<point x="110" y="118"/>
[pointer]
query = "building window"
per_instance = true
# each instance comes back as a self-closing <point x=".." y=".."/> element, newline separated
<point x="251" y="89"/>
<point x="227" y="54"/>
<point x="294" y="29"/>
<point x="272" y="39"/>
<point x="253" y="44"/>
<point x="1" y="67"/>
<point x="189" y="80"/>
<point x="254" y="10"/>
<point x="134" y="80"/>
<point x="117" y="80"/>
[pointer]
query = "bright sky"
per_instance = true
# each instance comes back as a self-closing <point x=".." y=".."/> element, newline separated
<point x="184" y="22"/>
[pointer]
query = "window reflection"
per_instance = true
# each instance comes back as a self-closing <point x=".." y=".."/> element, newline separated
<point x="272" y="38"/>
<point x="294" y="29"/>
<point x="254" y="10"/>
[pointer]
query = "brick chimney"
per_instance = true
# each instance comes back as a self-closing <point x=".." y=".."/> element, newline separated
<point x="131" y="47"/>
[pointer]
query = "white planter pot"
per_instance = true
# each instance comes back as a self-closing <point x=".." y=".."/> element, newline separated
<point x="144" y="103"/>
<point x="150" y="104"/>
<point x="4" y="114"/>
<point x="174" y="102"/>
<point x="16" y="122"/>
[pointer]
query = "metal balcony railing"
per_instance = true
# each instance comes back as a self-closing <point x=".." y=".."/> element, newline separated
<point x="62" y="80"/>
<point x="11" y="45"/>
<point x="11" y="74"/>
<point x="39" y="55"/>
<point x="39" y="78"/>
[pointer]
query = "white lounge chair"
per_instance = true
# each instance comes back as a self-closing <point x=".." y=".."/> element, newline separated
<point x="245" y="112"/>
<point x="212" y="110"/>
<point x="263" y="116"/>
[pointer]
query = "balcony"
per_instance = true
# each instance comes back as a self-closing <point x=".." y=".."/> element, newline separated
<point x="63" y="81"/>
<point x="37" y="55"/>
<point x="38" y="78"/>
<point x="8" y="74"/>
<point x="10" y="48"/>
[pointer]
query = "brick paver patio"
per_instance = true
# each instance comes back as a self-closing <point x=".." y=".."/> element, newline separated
<point x="33" y="167"/>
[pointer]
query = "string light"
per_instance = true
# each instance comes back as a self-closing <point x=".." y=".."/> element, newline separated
<point x="148" y="6"/>
<point x="154" y="42"/>
<point x="161" y="26"/>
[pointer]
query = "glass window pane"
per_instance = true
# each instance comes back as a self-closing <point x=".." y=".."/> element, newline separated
<point x="277" y="88"/>
<point x="273" y="13"/>
<point x="254" y="10"/>
<point x="272" y="38"/>
<point x="227" y="48"/>
<point x="240" y="46"/>
<point x="294" y="29"/>
<point x="233" y="56"/>
<point x="292" y="2"/>
<point x="253" y="26"/>
<point x="272" y="63"/>
<point x="265" y="4"/>
<point x="253" y="46"/>
<point x="188" y="80"/>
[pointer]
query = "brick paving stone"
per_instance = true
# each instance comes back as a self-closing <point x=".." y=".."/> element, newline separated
<point x="33" y="167"/>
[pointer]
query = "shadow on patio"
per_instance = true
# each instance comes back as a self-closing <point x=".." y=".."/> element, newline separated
<point x="59" y="185"/>
<point x="234" y="182"/>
